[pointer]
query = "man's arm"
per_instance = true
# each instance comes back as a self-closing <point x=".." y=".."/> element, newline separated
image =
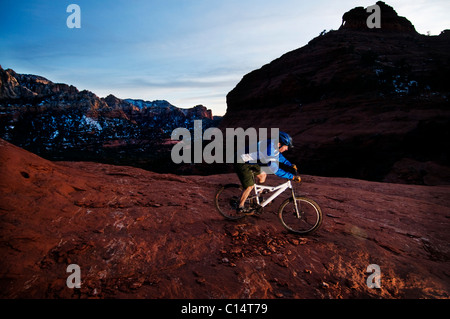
<point x="274" y="167"/>
<point x="283" y="160"/>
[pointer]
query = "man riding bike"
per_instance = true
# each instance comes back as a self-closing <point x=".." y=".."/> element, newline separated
<point x="268" y="155"/>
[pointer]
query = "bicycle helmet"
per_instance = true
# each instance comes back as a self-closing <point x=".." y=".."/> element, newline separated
<point x="286" y="139"/>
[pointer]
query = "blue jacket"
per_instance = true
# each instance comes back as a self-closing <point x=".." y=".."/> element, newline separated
<point x="267" y="154"/>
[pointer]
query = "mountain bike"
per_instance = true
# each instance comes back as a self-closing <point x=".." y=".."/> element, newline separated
<point x="297" y="214"/>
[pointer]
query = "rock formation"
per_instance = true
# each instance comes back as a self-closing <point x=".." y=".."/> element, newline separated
<point x="356" y="19"/>
<point x="359" y="102"/>
<point x="59" y="122"/>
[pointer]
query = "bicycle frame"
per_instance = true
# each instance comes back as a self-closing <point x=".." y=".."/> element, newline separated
<point x="277" y="189"/>
<point x="297" y="213"/>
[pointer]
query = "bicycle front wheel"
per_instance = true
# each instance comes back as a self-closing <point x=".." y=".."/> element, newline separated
<point x="227" y="201"/>
<point x="308" y="219"/>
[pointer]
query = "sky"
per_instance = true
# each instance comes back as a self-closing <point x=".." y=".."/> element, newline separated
<point x="187" y="52"/>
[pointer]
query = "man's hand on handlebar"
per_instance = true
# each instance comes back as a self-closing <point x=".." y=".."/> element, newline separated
<point x="297" y="179"/>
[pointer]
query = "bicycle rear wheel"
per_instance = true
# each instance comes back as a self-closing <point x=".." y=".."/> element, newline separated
<point x="227" y="201"/>
<point x="309" y="219"/>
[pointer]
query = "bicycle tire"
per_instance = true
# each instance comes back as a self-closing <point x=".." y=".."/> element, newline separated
<point x="227" y="200"/>
<point x="309" y="207"/>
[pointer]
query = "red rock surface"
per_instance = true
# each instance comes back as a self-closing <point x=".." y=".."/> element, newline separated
<point x="138" y="234"/>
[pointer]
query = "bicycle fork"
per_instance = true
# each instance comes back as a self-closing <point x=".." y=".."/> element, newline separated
<point x="297" y="211"/>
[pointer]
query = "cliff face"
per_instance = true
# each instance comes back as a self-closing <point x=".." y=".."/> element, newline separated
<point x="138" y="234"/>
<point x="359" y="102"/>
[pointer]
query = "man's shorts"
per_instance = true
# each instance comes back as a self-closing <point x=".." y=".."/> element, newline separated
<point x="245" y="173"/>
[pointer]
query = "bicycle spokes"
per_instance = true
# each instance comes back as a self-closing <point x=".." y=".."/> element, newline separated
<point x="227" y="201"/>
<point x="301" y="216"/>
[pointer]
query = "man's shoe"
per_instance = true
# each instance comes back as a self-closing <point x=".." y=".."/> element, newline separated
<point x="244" y="210"/>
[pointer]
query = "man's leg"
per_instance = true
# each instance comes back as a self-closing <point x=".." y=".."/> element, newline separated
<point x="261" y="177"/>
<point x="244" y="195"/>
<point x="246" y="178"/>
